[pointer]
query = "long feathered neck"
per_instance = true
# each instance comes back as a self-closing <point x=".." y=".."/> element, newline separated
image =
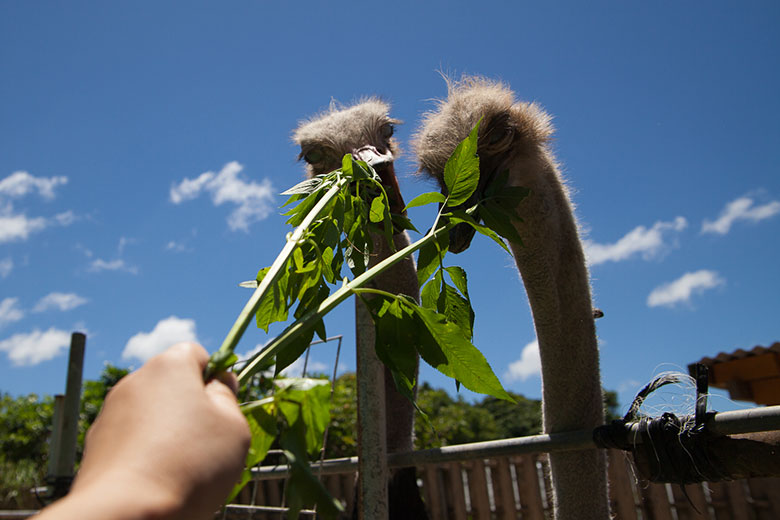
<point x="552" y="265"/>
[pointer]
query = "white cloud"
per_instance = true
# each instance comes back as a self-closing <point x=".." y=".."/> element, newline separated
<point x="9" y="311"/>
<point x="99" y="265"/>
<point x="189" y="189"/>
<point x="740" y="209"/>
<point x="167" y="332"/>
<point x="17" y="226"/>
<point x="177" y="247"/>
<point x="124" y="242"/>
<point x="529" y="364"/>
<point x="61" y="301"/>
<point x="65" y="219"/>
<point x="683" y="288"/>
<point x="21" y="183"/>
<point x="6" y="266"/>
<point x="254" y="200"/>
<point x="36" y="346"/>
<point x="640" y="240"/>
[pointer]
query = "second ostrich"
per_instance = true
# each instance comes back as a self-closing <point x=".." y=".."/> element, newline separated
<point x="366" y="131"/>
<point x="513" y="138"/>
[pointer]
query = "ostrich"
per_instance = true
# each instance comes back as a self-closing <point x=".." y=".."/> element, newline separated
<point x="513" y="137"/>
<point x="366" y="130"/>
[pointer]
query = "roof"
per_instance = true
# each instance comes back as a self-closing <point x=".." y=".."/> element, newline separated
<point x="748" y="375"/>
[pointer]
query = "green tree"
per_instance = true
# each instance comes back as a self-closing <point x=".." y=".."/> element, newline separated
<point x="515" y="419"/>
<point x="25" y="427"/>
<point x="25" y="431"/>
<point x="342" y="432"/>
<point x="452" y="421"/>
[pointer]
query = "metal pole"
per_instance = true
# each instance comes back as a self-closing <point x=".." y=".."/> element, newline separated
<point x="724" y="423"/>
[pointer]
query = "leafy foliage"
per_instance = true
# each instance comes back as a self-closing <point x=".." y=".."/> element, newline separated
<point x="297" y="414"/>
<point x="336" y="217"/>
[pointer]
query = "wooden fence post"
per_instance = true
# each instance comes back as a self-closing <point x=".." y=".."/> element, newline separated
<point x="64" y="446"/>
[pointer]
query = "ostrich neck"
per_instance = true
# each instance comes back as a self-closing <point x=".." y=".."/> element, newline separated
<point x="552" y="266"/>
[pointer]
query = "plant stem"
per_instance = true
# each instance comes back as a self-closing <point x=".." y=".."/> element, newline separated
<point x="249" y="310"/>
<point x="346" y="290"/>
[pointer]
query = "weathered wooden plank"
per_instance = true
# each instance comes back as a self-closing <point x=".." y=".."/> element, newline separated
<point x="348" y="485"/>
<point x="456" y="495"/>
<point x="434" y="492"/>
<point x="620" y="490"/>
<point x="502" y="490"/>
<point x="722" y="502"/>
<point x="528" y="487"/>
<point x="478" y="490"/>
<point x="656" y="501"/>
<point x="273" y="492"/>
<point x="765" y="493"/>
<point x="692" y="507"/>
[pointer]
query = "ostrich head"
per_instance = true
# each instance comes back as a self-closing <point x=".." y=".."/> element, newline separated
<point x="365" y="130"/>
<point x="512" y="134"/>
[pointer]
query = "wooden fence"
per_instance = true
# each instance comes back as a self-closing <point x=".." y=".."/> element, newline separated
<point x="518" y="487"/>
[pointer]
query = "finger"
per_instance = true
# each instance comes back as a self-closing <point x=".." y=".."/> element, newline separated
<point x="191" y="351"/>
<point x="222" y="395"/>
<point x="228" y="379"/>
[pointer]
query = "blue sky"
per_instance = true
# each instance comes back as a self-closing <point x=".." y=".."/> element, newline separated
<point x="666" y="119"/>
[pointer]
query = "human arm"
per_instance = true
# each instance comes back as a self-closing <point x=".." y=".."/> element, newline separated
<point x="165" y="446"/>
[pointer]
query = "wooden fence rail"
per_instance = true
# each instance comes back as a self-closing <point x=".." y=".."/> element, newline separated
<point x="518" y="487"/>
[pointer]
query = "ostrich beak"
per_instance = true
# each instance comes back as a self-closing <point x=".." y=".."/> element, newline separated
<point x="461" y="236"/>
<point x="383" y="164"/>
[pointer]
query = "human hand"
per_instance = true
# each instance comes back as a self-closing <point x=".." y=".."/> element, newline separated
<point x="165" y="445"/>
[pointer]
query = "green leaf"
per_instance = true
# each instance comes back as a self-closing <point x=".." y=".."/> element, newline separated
<point x="455" y="356"/>
<point x="308" y="400"/>
<point x="377" y="213"/>
<point x="462" y="217"/>
<point x="429" y="296"/>
<point x="263" y="426"/>
<point x="327" y="265"/>
<point x="461" y="173"/>
<point x="496" y="219"/>
<point x="306" y="187"/>
<point x="293" y="351"/>
<point x="430" y="256"/>
<point x="426" y="198"/>
<point x="299" y="212"/>
<point x="402" y="222"/>
<point x="303" y="488"/>
<point x="458" y="277"/>
<point x="394" y="339"/>
<point x="457" y="310"/>
<point x="298" y="259"/>
<point x="273" y="306"/>
<point x="361" y="170"/>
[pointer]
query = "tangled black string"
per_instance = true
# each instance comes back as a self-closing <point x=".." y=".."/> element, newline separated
<point x="671" y="449"/>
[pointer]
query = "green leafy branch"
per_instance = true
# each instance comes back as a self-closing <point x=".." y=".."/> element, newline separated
<point x="336" y="217"/>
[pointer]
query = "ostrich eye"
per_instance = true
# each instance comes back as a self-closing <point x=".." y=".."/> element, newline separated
<point x="498" y="135"/>
<point x="387" y="131"/>
<point x="314" y="156"/>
